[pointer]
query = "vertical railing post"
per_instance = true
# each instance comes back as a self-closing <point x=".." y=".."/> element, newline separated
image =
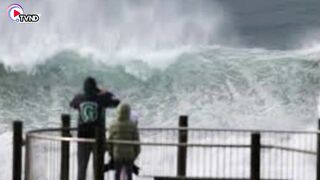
<point x="318" y="151"/>
<point x="182" y="150"/>
<point x="65" y="147"/>
<point x="27" y="158"/>
<point x="99" y="153"/>
<point x="17" y="150"/>
<point x="255" y="156"/>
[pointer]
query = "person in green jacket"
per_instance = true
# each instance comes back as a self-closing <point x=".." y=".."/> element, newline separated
<point x="123" y="154"/>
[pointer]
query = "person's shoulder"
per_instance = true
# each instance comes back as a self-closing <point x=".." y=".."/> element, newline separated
<point x="76" y="100"/>
<point x="105" y="93"/>
<point x="104" y="96"/>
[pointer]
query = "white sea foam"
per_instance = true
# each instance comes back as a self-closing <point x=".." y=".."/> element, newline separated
<point x="111" y="29"/>
<point x="200" y="74"/>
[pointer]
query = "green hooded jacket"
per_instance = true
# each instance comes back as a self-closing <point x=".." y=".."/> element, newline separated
<point x="124" y="129"/>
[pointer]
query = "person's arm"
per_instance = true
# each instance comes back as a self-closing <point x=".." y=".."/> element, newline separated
<point x="108" y="99"/>
<point x="75" y="102"/>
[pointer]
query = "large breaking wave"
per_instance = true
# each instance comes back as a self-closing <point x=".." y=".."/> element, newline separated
<point x="166" y="58"/>
<point x="216" y="86"/>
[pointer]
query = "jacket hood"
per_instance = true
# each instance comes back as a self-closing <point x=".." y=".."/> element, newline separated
<point x="124" y="112"/>
<point x="90" y="86"/>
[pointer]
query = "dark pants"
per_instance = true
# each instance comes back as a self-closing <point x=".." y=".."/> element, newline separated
<point x="84" y="151"/>
<point x="118" y="167"/>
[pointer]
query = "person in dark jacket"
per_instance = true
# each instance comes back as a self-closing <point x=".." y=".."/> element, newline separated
<point x="91" y="106"/>
<point x="123" y="155"/>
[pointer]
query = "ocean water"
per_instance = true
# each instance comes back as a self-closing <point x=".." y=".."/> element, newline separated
<point x="230" y="64"/>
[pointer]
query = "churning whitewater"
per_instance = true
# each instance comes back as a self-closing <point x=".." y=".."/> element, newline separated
<point x="217" y="87"/>
<point x="166" y="58"/>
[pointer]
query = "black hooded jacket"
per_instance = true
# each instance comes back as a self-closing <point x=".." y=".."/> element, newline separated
<point x="91" y="106"/>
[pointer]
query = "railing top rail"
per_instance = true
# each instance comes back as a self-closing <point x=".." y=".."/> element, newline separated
<point x="194" y="129"/>
<point x="60" y="138"/>
<point x="88" y="140"/>
<point x="51" y="130"/>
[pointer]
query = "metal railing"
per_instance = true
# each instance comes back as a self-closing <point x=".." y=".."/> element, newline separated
<point x="188" y="153"/>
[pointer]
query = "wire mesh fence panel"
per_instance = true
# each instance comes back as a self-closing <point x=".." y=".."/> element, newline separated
<point x="43" y="159"/>
<point x="220" y="154"/>
<point x="157" y="160"/>
<point x="218" y="162"/>
<point x="210" y="153"/>
<point x="289" y="155"/>
<point x="44" y="155"/>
